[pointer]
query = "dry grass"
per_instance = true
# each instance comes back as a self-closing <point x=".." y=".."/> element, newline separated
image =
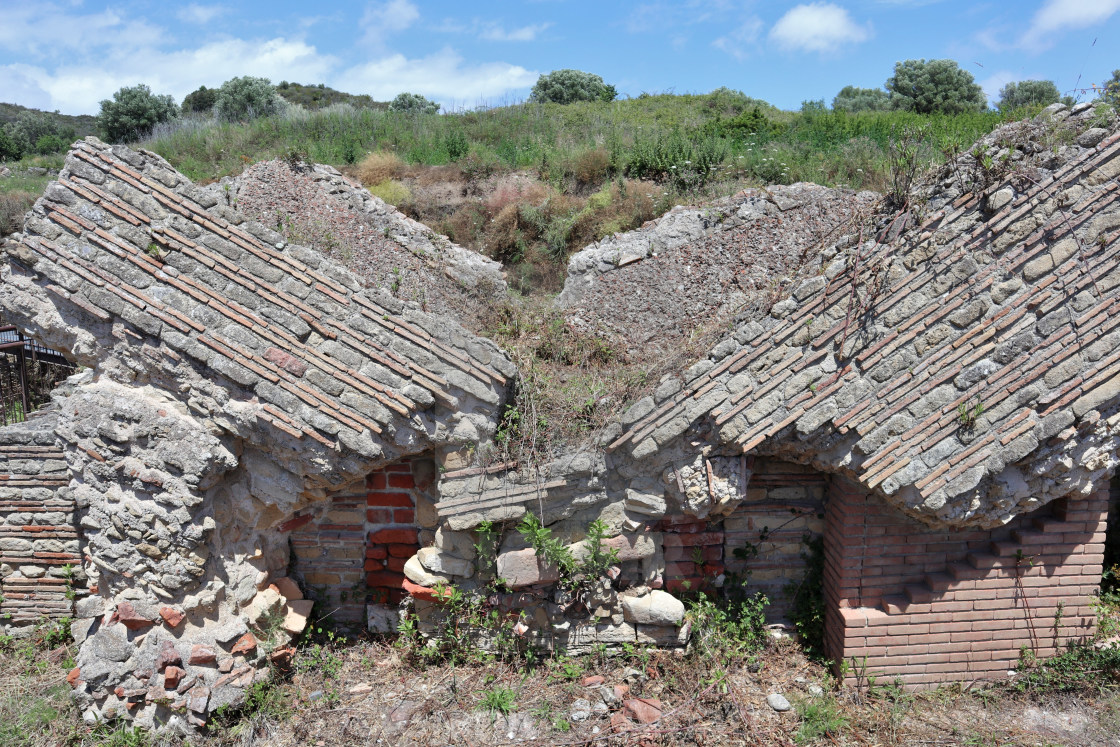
<point x="13" y="206"/>
<point x="379" y="167"/>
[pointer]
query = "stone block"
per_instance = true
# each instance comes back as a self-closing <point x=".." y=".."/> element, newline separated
<point x="440" y="561"/>
<point x="655" y="608"/>
<point x="520" y="568"/>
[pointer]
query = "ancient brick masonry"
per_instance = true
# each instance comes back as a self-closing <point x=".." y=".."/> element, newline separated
<point x="928" y="606"/>
<point x="40" y="562"/>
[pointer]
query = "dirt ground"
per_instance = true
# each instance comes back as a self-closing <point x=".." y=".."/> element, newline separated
<point x="366" y="692"/>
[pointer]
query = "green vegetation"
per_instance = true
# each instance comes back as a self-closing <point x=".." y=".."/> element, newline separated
<point x="413" y="103"/>
<point x="852" y="99"/>
<point x="133" y="112"/>
<point x="246" y="98"/>
<point x="934" y="87"/>
<point x="320" y="96"/>
<point x="568" y="86"/>
<point x="1017" y="95"/>
<point x="200" y="101"/>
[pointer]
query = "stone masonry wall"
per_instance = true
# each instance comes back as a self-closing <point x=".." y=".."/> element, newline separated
<point x="933" y="606"/>
<point x="40" y="562"/>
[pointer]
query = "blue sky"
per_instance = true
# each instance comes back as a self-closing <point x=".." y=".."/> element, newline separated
<point x="70" y="55"/>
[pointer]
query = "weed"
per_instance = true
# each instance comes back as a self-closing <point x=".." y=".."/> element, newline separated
<point x="968" y="413"/>
<point x="820" y="717"/>
<point x="497" y="700"/>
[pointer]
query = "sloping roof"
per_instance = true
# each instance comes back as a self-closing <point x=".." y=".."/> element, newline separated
<point x="122" y="237"/>
<point x="944" y="369"/>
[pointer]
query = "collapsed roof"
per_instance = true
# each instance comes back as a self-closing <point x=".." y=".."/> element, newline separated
<point x="965" y="368"/>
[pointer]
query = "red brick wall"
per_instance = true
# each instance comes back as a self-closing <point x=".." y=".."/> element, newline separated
<point x="390" y="530"/>
<point x="351" y="549"/>
<point x="939" y="606"/>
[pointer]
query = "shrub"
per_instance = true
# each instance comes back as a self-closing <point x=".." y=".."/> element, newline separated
<point x="133" y="112"/>
<point x="413" y="103"/>
<point x="379" y="167"/>
<point x="13" y="206"/>
<point x="48" y="144"/>
<point x="1016" y="95"/>
<point x="392" y="192"/>
<point x="853" y="99"/>
<point x="566" y="86"/>
<point x="201" y="100"/>
<point x="10" y="148"/>
<point x="591" y="166"/>
<point x="934" y="87"/>
<point x="246" y="98"/>
<point x="1110" y="91"/>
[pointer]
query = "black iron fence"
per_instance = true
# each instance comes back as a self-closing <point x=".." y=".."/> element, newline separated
<point x="28" y="373"/>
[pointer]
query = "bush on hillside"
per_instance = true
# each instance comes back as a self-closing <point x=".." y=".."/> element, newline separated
<point x="133" y="112"/>
<point x="413" y="103"/>
<point x="1016" y="95"/>
<point x="728" y="101"/>
<point x="10" y="149"/>
<point x="380" y="167"/>
<point x="853" y="99"/>
<point x="566" y="86"/>
<point x="246" y="98"/>
<point x="201" y="100"/>
<point x="934" y="87"/>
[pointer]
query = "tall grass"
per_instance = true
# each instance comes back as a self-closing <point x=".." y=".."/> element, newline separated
<point x="644" y="137"/>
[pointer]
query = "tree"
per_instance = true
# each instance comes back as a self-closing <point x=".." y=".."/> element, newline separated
<point x="133" y="112"/>
<point x="247" y="98"/>
<point x="934" y="87"/>
<point x="1016" y="95"/>
<point x="1111" y="91"/>
<point x="853" y="99"/>
<point x="566" y="86"/>
<point x="200" y="100"/>
<point x="413" y="103"/>
<point x="10" y="149"/>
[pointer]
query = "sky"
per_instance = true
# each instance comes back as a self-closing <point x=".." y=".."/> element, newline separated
<point x="68" y="55"/>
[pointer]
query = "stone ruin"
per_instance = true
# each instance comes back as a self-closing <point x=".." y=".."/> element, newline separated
<point x="929" y="396"/>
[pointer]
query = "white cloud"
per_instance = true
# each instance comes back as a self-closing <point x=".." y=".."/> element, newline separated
<point x="382" y="19"/>
<point x="78" y="89"/>
<point x="200" y="14"/>
<point x="442" y="76"/>
<point x="1056" y="16"/>
<point x="495" y="32"/>
<point x="742" y="40"/>
<point x="39" y="30"/>
<point x="818" y="27"/>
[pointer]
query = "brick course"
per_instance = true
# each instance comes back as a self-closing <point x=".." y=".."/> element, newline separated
<point x="934" y="606"/>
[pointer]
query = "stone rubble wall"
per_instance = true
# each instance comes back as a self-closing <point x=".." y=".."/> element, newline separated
<point x="40" y="559"/>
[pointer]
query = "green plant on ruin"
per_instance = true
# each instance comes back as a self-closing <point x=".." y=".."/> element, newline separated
<point x="968" y="412"/>
<point x="574" y="574"/>
<point x="486" y="548"/>
<point x="497" y="700"/>
<point x="726" y="629"/>
<point x="463" y="622"/>
<point x="807" y="597"/>
<point x="821" y="716"/>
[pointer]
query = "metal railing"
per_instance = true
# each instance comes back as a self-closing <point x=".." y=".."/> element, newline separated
<point x="28" y="373"/>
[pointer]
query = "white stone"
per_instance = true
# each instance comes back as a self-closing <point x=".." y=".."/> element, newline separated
<point x="418" y="574"/>
<point x="439" y="561"/>
<point x="655" y="608"/>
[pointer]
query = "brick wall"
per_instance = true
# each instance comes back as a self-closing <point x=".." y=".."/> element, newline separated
<point x="351" y="549"/>
<point x="784" y="506"/>
<point x="939" y="606"/>
<point x="38" y="536"/>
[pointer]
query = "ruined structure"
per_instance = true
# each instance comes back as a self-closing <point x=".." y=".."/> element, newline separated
<point x="928" y="398"/>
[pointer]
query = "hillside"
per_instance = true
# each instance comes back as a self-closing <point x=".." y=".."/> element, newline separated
<point x="82" y="124"/>
<point x="319" y="96"/>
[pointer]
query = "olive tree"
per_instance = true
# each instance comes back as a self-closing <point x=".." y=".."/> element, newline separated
<point x="133" y="112"/>
<point x="201" y="100"/>
<point x="1016" y="95"/>
<point x="566" y="86"/>
<point x="853" y="99"/>
<point x="1111" y="90"/>
<point x="246" y="98"/>
<point x="934" y="87"/>
<point x="413" y="103"/>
